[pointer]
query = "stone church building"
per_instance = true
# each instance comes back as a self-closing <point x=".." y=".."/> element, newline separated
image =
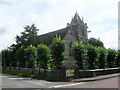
<point x="76" y="30"/>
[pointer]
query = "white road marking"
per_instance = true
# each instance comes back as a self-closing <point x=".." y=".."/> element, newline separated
<point x="35" y="82"/>
<point x="67" y="85"/>
<point x="4" y="76"/>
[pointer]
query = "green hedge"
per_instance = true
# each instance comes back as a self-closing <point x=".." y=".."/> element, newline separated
<point x="111" y="58"/>
<point x="58" y="52"/>
<point x="92" y="56"/>
<point x="103" y="58"/>
<point x="80" y="55"/>
<point x="43" y="53"/>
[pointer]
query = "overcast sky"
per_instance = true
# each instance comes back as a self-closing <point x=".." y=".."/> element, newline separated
<point x="101" y="17"/>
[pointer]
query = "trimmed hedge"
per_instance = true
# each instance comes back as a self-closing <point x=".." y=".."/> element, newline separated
<point x="103" y="58"/>
<point x="95" y="57"/>
<point x="80" y="54"/>
<point x="58" y="52"/>
<point x="111" y="58"/>
<point x="43" y="53"/>
<point x="92" y="56"/>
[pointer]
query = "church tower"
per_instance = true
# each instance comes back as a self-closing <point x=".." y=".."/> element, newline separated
<point x="79" y="27"/>
<point x="77" y="31"/>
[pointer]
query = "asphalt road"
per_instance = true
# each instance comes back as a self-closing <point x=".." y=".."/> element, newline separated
<point x="13" y="81"/>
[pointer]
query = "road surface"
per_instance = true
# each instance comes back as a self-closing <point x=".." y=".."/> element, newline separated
<point x="13" y="81"/>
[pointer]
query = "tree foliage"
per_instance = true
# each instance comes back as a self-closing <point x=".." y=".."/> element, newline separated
<point x="95" y="42"/>
<point x="31" y="56"/>
<point x="103" y="57"/>
<point x="92" y="57"/>
<point x="80" y="55"/>
<point x="111" y="58"/>
<point x="118" y="59"/>
<point x="44" y="55"/>
<point x="20" y="56"/>
<point x="58" y="52"/>
<point x="28" y="37"/>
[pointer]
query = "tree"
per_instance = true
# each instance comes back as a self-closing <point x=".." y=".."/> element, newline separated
<point x="95" y="42"/>
<point x="118" y="59"/>
<point x="92" y="57"/>
<point x="20" y="57"/>
<point x="57" y="50"/>
<point x="44" y="55"/>
<point x="111" y="58"/>
<point x="31" y="56"/>
<point x="103" y="58"/>
<point x="80" y="55"/>
<point x="28" y="37"/>
<point x="6" y="61"/>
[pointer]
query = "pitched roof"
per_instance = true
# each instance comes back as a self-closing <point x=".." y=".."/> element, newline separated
<point x="48" y="37"/>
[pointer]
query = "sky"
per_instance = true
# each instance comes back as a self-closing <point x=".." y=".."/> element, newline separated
<point x="101" y="17"/>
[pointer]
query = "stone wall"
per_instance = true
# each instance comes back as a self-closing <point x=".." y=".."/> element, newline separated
<point x="93" y="73"/>
<point x="49" y="73"/>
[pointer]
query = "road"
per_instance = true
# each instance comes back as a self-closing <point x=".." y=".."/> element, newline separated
<point x="13" y="81"/>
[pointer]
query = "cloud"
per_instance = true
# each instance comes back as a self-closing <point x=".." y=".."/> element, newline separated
<point x="51" y="15"/>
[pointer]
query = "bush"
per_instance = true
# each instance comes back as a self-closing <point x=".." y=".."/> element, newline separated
<point x="6" y="59"/>
<point x="118" y="59"/>
<point x="43" y="53"/>
<point x="57" y="51"/>
<point x="111" y="58"/>
<point x="80" y="54"/>
<point x="20" y="57"/>
<point x="92" y="57"/>
<point x="31" y="56"/>
<point x="102" y="58"/>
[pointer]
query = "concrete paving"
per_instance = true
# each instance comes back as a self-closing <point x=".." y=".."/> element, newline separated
<point x="105" y="81"/>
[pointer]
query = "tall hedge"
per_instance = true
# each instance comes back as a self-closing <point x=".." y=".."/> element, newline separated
<point x="102" y="58"/>
<point x="80" y="55"/>
<point x="57" y="50"/>
<point x="92" y="57"/>
<point x="20" y="57"/>
<point x="31" y="56"/>
<point x="44" y="55"/>
<point x="118" y="59"/>
<point x="111" y="58"/>
<point x="6" y="60"/>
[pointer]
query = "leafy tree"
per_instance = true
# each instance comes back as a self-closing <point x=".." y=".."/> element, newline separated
<point x="118" y="59"/>
<point x="20" y="57"/>
<point x="92" y="57"/>
<point x="57" y="51"/>
<point x="31" y="56"/>
<point x="6" y="61"/>
<point x="103" y="57"/>
<point x="95" y="42"/>
<point x="80" y="55"/>
<point x="28" y="37"/>
<point x="44" y="55"/>
<point x="111" y="58"/>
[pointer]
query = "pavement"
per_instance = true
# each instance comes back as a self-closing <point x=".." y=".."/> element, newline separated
<point x="104" y="81"/>
<point x="96" y="78"/>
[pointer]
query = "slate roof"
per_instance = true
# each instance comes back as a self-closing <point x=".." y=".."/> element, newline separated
<point x="48" y="37"/>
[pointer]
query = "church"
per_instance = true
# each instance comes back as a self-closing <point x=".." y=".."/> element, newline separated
<point x="76" y="30"/>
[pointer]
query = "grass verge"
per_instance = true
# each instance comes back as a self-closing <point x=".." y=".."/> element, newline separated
<point x="37" y="76"/>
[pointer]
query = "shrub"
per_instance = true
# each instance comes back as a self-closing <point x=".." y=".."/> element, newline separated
<point x="118" y="59"/>
<point x="80" y="54"/>
<point x="92" y="57"/>
<point x="43" y="53"/>
<point x="6" y="60"/>
<point x="111" y="58"/>
<point x="20" y="57"/>
<point x="31" y="56"/>
<point x="102" y="58"/>
<point x="57" y="51"/>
